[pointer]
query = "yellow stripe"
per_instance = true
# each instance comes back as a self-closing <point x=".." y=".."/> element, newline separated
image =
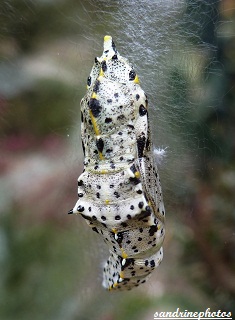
<point x="107" y="38"/>
<point x="136" y="80"/>
<point x="101" y="155"/>
<point x="95" y="126"/>
<point x="137" y="174"/>
<point x="94" y="123"/>
<point x="124" y="255"/>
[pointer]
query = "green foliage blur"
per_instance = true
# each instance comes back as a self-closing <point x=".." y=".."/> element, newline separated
<point x="51" y="263"/>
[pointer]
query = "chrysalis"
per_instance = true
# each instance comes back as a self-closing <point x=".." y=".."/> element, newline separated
<point x="119" y="190"/>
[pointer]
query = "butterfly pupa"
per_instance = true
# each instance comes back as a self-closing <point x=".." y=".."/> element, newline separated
<point x="119" y="191"/>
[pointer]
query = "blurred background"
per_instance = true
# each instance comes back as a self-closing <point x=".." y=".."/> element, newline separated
<point x="184" y="54"/>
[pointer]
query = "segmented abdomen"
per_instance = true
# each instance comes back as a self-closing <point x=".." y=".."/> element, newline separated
<point x="119" y="191"/>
